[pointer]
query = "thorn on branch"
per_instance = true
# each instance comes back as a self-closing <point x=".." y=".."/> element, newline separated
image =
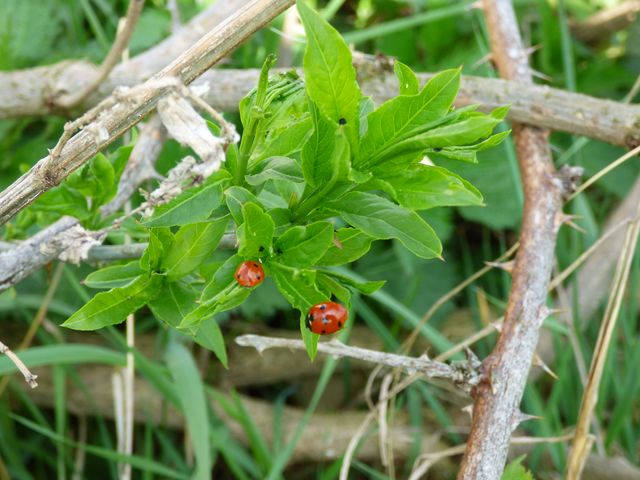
<point x="506" y="266"/>
<point x="568" y="220"/>
<point x="538" y="362"/>
<point x="463" y="374"/>
<point x="522" y="417"/>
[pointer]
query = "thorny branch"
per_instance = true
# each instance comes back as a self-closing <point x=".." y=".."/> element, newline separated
<point x="463" y="374"/>
<point x="497" y="397"/>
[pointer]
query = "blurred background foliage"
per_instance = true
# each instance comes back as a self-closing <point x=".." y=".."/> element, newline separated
<point x="36" y="438"/>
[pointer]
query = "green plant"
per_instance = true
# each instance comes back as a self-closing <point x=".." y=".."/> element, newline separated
<point x="319" y="174"/>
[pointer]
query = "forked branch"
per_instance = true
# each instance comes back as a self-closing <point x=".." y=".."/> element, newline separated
<point x="497" y="397"/>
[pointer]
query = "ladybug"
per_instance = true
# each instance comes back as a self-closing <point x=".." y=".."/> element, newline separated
<point x="249" y="274"/>
<point x="325" y="318"/>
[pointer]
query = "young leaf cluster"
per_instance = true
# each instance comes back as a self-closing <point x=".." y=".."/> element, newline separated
<point x="319" y="175"/>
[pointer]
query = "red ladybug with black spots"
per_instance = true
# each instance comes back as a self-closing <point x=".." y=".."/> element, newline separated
<point x="249" y="274"/>
<point x="326" y="318"/>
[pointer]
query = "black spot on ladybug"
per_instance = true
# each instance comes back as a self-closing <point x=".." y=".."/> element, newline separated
<point x="238" y="275"/>
<point x="323" y="307"/>
<point x="339" y="324"/>
<point x="257" y="277"/>
<point x="342" y="121"/>
<point x="323" y="332"/>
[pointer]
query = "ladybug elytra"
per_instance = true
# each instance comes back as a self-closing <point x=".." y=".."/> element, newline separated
<point x="249" y="274"/>
<point x="326" y="318"/>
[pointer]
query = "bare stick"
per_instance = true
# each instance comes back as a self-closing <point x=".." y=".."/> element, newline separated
<point x="122" y="40"/>
<point x="582" y="443"/>
<point x="121" y="116"/>
<point x="29" y="377"/>
<point x="426" y="367"/>
<point x="497" y="397"/>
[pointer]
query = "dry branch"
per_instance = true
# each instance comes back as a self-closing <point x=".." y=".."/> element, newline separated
<point x="606" y="22"/>
<point x="463" y="375"/>
<point x="497" y="397"/>
<point x="609" y="121"/>
<point x="116" y="114"/>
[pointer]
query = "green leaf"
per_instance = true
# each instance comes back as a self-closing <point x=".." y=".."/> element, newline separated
<point x="298" y="287"/>
<point x="112" y="307"/>
<point x="409" y="84"/>
<point x="174" y="301"/>
<point x="318" y="159"/>
<point x="236" y="197"/>
<point x="303" y="246"/>
<point x="364" y="287"/>
<point x="467" y="153"/>
<point x="105" y="176"/>
<point x="192" y="245"/>
<point x="191" y="206"/>
<point x="160" y="242"/>
<point x="230" y="297"/>
<point x="332" y="287"/>
<point x="401" y="117"/>
<point x="283" y="141"/>
<point x="194" y="405"/>
<point x="274" y="117"/>
<point x="114" y="275"/>
<point x="220" y="294"/>
<point x="339" y="181"/>
<point x="256" y="233"/>
<point x="351" y="244"/>
<point x="515" y="471"/>
<point x="277" y="168"/>
<point x="330" y="78"/>
<point x="380" y="218"/>
<point x="464" y="131"/>
<point x="222" y="278"/>
<point x="209" y="335"/>
<point x="420" y="187"/>
<point x="63" y="200"/>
